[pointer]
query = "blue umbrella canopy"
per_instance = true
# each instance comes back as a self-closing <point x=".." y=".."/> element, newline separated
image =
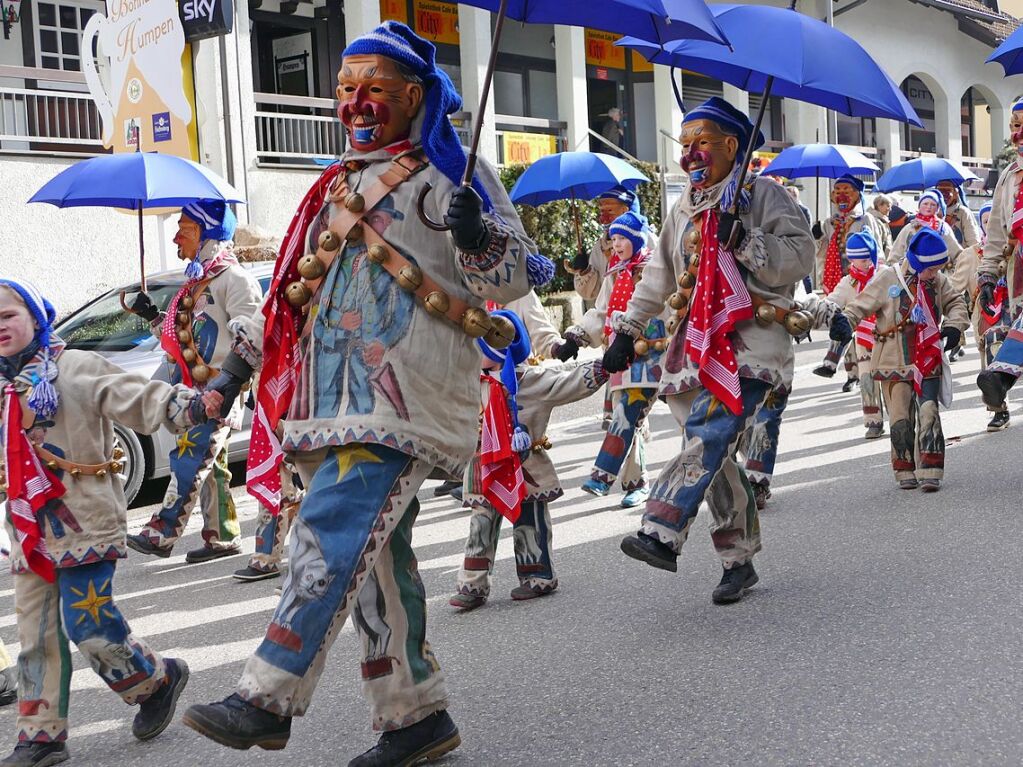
<point x="1009" y="54"/>
<point x="582" y="175"/>
<point x="826" y="160"/>
<point x="922" y="173"/>
<point x="799" y="56"/>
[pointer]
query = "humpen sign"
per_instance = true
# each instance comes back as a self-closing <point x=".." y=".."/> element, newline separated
<point x="143" y="41"/>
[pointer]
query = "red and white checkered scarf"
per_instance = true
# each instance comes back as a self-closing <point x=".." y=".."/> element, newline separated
<point x="865" y="330"/>
<point x="501" y="477"/>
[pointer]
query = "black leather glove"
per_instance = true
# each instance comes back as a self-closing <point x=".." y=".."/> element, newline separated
<point x="229" y="381"/>
<point x="566" y="350"/>
<point x="144" y="307"/>
<point x="465" y="217"/>
<point x="619" y="354"/>
<point x="986" y="297"/>
<point x="953" y="337"/>
<point x="840" y="330"/>
<point x="726" y="223"/>
<point x="817" y="230"/>
<point x="581" y="262"/>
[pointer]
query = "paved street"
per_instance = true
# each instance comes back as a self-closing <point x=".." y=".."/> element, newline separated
<point x="885" y="629"/>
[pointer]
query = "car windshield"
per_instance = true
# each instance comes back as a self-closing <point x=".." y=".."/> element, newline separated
<point x="103" y="326"/>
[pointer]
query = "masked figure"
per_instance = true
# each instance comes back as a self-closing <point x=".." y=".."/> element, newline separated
<point x="368" y="364"/>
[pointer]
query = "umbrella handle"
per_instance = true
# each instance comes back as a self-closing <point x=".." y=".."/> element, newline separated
<point x="746" y="161"/>
<point x="124" y="304"/>
<point x="421" y="210"/>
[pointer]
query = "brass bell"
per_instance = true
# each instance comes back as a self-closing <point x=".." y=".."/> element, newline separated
<point x="694" y="240"/>
<point x="355" y="202"/>
<point x="185" y="336"/>
<point x="377" y="254"/>
<point x="116" y="467"/>
<point x="798" y="323"/>
<point x="51" y="465"/>
<point x="172" y="359"/>
<point x="475" y="322"/>
<point x="678" y="301"/>
<point x="502" y="332"/>
<point x="310" y="267"/>
<point x="642" y="347"/>
<point x="410" y="278"/>
<point x="437" y="303"/>
<point x="183" y="318"/>
<point x="659" y="345"/>
<point x="187" y="302"/>
<point x="355" y="234"/>
<point x="75" y="472"/>
<point x="671" y="325"/>
<point x="101" y="473"/>
<point x="200" y="374"/>
<point x="695" y="261"/>
<point x="188" y="355"/>
<point x="118" y="453"/>
<point x="765" y="315"/>
<point x="297" y="294"/>
<point x="687" y="281"/>
<point x="329" y="241"/>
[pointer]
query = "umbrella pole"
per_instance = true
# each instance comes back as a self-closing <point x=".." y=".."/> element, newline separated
<point x="578" y="231"/>
<point x="749" y="156"/>
<point x="142" y="250"/>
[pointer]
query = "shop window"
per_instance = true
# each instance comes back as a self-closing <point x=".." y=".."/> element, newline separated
<point x="58" y="33"/>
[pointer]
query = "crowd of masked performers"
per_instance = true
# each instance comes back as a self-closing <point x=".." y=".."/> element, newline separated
<point x="400" y="341"/>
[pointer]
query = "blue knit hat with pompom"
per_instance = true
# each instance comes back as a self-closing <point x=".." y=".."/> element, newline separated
<point x="43" y="399"/>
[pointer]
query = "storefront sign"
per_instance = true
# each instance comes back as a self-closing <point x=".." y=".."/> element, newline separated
<point x="394" y="10"/>
<point x="207" y="18"/>
<point x="526" y="148"/>
<point x="639" y="64"/>
<point x="601" y="50"/>
<point x="436" y="21"/>
<point x="146" y="94"/>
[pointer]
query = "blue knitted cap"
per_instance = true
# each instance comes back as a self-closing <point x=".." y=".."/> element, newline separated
<point x="848" y="179"/>
<point x="926" y="249"/>
<point x="861" y="245"/>
<point x="631" y="228"/>
<point x="719" y="111"/>
<point x="985" y="208"/>
<point x="43" y="399"/>
<point x="397" y="42"/>
<point x="216" y="220"/>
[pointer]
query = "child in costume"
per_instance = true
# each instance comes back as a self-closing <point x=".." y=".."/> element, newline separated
<point x="66" y="514"/>
<point x="518" y="399"/>
<point x="916" y="309"/>
<point x="632" y="391"/>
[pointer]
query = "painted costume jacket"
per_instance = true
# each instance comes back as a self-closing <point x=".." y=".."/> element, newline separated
<point x="898" y="254"/>
<point x="375" y="366"/>
<point x="776" y="253"/>
<point x="883" y="229"/>
<point x="89" y="522"/>
<point x="542" y="335"/>
<point x="964" y="225"/>
<point x="846" y="290"/>
<point x="1002" y="256"/>
<point x="587" y="284"/>
<point x="857" y="221"/>
<point x="887" y="296"/>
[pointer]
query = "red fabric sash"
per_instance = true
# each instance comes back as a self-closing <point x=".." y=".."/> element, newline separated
<point x="833" y="259"/>
<point x="29" y="487"/>
<point x="720" y="300"/>
<point x="927" y="346"/>
<point x="501" y="478"/>
<point x="865" y="330"/>
<point x="280" y="352"/>
<point x="624" y="284"/>
<point x="169" y="332"/>
<point x="932" y="221"/>
<point x="1016" y="222"/>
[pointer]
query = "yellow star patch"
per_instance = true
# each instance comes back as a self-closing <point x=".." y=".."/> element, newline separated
<point x="185" y="444"/>
<point x="634" y="395"/>
<point x="350" y="456"/>
<point x="91" y="602"/>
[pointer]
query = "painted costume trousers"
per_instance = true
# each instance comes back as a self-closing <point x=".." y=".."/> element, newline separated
<point x="351" y="555"/>
<point x="533" y="534"/>
<point x="759" y="442"/>
<point x="1005" y="349"/>
<point x="272" y="529"/>
<point x="79" y="606"/>
<point x="199" y="474"/>
<point x="629" y="408"/>
<point x="706" y="469"/>
<point x="918" y="444"/>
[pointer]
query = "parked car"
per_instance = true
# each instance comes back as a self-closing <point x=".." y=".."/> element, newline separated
<point x="103" y="326"/>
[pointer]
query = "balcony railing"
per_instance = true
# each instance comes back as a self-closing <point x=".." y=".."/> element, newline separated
<point x="44" y="120"/>
<point x="296" y="130"/>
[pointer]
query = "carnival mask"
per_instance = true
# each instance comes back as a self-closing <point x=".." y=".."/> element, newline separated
<point x="708" y="154"/>
<point x="1016" y="129"/>
<point x="376" y="104"/>
<point x="949" y="192"/>
<point x="188" y="238"/>
<point x="845" y="197"/>
<point x="609" y="210"/>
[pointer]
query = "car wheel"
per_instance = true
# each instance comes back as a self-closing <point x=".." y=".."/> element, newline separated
<point x="133" y="462"/>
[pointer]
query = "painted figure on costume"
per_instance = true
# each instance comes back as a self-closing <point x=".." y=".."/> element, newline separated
<point x="347" y="296"/>
<point x="66" y="517"/>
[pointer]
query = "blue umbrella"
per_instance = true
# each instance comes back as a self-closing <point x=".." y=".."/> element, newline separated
<point x="573" y="175"/>
<point x="1009" y="54"/>
<point x="922" y="173"/>
<point x="135" y="181"/>
<point x="827" y="160"/>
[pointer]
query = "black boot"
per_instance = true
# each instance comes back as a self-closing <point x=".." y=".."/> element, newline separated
<point x="849" y="384"/>
<point x="29" y="753"/>
<point x="236" y="723"/>
<point x="446" y="487"/>
<point x="8" y="685"/>
<point x="650" y="550"/>
<point x="994" y="385"/>
<point x="734" y="582"/>
<point x="999" y="421"/>
<point x="157" y="711"/>
<point x="423" y="741"/>
<point x="208" y="554"/>
<point x="143" y="545"/>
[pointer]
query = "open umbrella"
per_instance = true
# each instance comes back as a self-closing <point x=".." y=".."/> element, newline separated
<point x="922" y="173"/>
<point x="658" y="20"/>
<point x="570" y="175"/>
<point x="1009" y="54"/>
<point x="827" y="160"/>
<point x="778" y="51"/>
<point x="135" y="181"/>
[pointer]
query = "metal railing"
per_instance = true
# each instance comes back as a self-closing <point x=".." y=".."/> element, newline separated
<point x="296" y="130"/>
<point x="42" y="120"/>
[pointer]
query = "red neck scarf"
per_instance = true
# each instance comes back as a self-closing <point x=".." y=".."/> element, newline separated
<point x="932" y="221"/>
<point x="501" y="478"/>
<point x="719" y="301"/>
<point x="29" y="487"/>
<point x="833" y="259"/>
<point x="169" y="332"/>
<point x="927" y="338"/>
<point x="865" y="330"/>
<point x="1016" y="222"/>
<point x="624" y="284"/>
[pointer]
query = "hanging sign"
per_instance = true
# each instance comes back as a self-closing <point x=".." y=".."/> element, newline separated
<point x="203" y="19"/>
<point x="436" y="21"/>
<point x="601" y="50"/>
<point x="394" y="10"/>
<point x="526" y="148"/>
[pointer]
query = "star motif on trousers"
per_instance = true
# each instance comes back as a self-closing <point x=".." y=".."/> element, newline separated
<point x="350" y="456"/>
<point x="634" y="395"/>
<point x="185" y="444"/>
<point x="92" y="602"/>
